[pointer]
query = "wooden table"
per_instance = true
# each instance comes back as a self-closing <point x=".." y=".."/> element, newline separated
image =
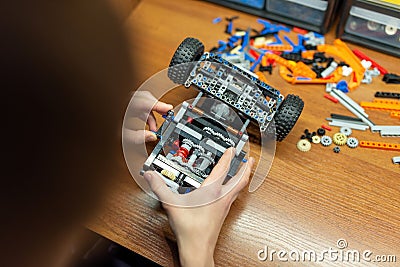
<point x="308" y="201"/>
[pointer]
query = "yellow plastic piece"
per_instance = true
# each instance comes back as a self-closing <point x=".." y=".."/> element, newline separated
<point x="380" y="106"/>
<point x="339" y="139"/>
<point x="341" y="50"/>
<point x="236" y="50"/>
<point x="168" y="174"/>
<point x="380" y="145"/>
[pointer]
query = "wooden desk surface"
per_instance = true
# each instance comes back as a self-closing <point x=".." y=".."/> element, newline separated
<point x="308" y="201"/>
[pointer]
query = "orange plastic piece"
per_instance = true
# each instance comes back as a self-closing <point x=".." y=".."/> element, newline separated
<point x="309" y="54"/>
<point x="380" y="145"/>
<point x="286" y="48"/>
<point x="298" y="69"/>
<point x="340" y="49"/>
<point x="288" y="76"/>
<point x="302" y="69"/>
<point x="264" y="62"/>
<point x="278" y="59"/>
<point x="261" y="77"/>
<point x="395" y="114"/>
<point x="380" y="106"/>
<point x="388" y="102"/>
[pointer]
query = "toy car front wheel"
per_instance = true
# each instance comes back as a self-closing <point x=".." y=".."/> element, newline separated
<point x="287" y="116"/>
<point x="191" y="49"/>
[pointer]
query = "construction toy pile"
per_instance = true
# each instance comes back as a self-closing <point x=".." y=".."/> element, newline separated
<point x="308" y="60"/>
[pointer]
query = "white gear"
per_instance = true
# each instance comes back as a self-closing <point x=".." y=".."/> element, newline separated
<point x="326" y="140"/>
<point x="316" y="139"/>
<point x="346" y="131"/>
<point x="352" y="142"/>
<point x="304" y="145"/>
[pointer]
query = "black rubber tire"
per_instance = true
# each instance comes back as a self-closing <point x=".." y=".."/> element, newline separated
<point x="191" y="49"/>
<point x="287" y="116"/>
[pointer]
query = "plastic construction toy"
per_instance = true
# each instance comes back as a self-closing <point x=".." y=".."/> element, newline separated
<point x="193" y="139"/>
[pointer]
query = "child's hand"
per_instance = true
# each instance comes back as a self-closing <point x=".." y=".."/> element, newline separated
<point x="197" y="228"/>
<point x="143" y="107"/>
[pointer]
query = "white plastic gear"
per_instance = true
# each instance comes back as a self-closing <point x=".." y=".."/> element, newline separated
<point x="352" y="142"/>
<point x="339" y="139"/>
<point x="304" y="145"/>
<point x="316" y="139"/>
<point x="346" y="131"/>
<point x="326" y="140"/>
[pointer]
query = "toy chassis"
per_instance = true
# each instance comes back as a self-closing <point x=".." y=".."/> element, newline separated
<point x="192" y="141"/>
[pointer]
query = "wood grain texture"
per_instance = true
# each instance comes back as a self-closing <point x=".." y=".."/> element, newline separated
<point x="308" y="201"/>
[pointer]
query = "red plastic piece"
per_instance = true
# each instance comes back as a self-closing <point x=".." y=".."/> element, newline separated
<point x="254" y="54"/>
<point x="299" y="30"/>
<point x="183" y="153"/>
<point x="331" y="98"/>
<point x="361" y="55"/>
<point x="189" y="119"/>
<point x="326" y="127"/>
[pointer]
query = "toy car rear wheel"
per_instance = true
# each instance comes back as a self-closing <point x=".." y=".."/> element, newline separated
<point x="190" y="50"/>
<point x="287" y="116"/>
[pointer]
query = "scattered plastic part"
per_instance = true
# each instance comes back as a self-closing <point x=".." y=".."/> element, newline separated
<point x="261" y="77"/>
<point x="297" y="69"/>
<point x="366" y="64"/>
<point x="321" y="131"/>
<point x="361" y="55"/>
<point x="387" y="95"/>
<point x="329" y="70"/>
<point x="299" y="30"/>
<point x="387" y="102"/>
<point x="352" y="106"/>
<point x="271" y="28"/>
<point x="339" y="139"/>
<point x="329" y="87"/>
<point x="380" y="145"/>
<point x="387" y="130"/>
<point x="346" y="71"/>
<point x="344" y="117"/>
<point x="323" y="126"/>
<point x="352" y="142"/>
<point x="304" y="145"/>
<point x="336" y="149"/>
<point x="341" y="50"/>
<point x="296" y="48"/>
<point x="288" y="76"/>
<point x="391" y="78"/>
<point x="342" y="86"/>
<point x="396" y="160"/>
<point x="346" y="131"/>
<point x="373" y="72"/>
<point x="326" y="140"/>
<point x="316" y="139"/>
<point x="217" y="20"/>
<point x="168" y="174"/>
<point x="352" y="125"/>
<point x="395" y="114"/>
<point x="380" y="106"/>
<point x="331" y="98"/>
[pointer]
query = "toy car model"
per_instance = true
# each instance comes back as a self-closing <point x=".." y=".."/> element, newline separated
<point x="193" y="140"/>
